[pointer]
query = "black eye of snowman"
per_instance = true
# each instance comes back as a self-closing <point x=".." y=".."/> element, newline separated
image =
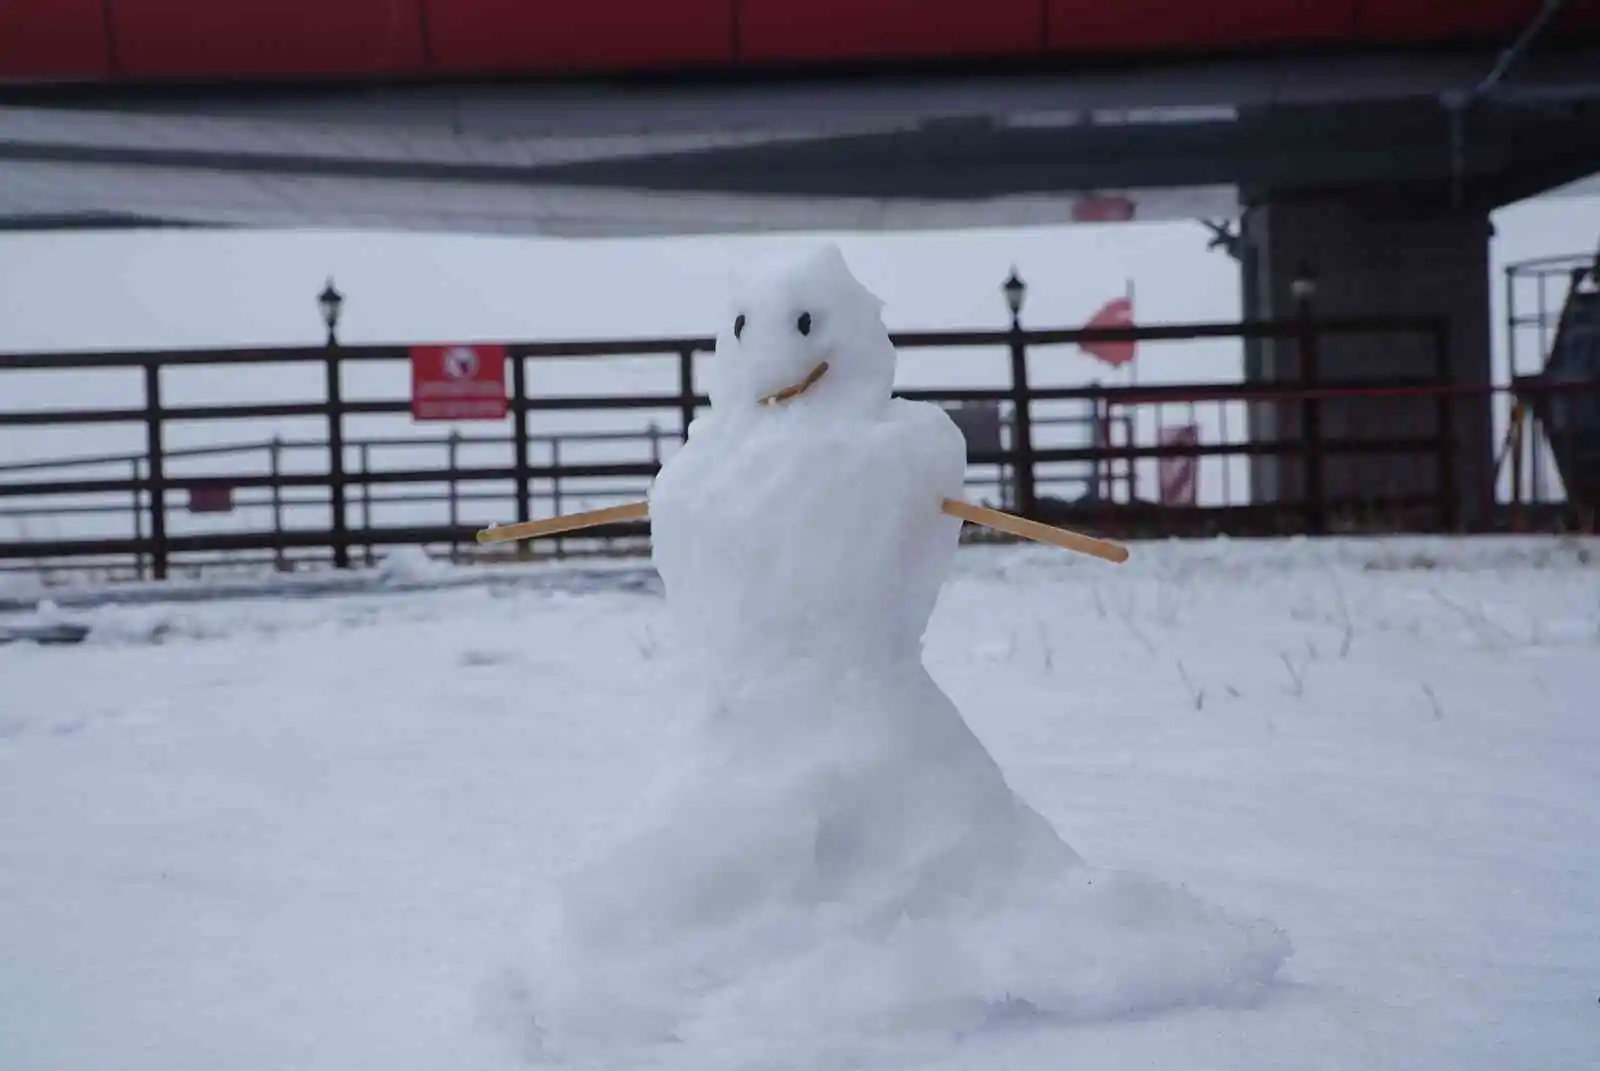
<point x="738" y="325"/>
<point x="804" y="323"/>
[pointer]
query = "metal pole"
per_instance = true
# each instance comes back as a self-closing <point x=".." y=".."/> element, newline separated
<point x="1449" y="492"/>
<point x="138" y="517"/>
<point x="1518" y="423"/>
<point x="1022" y="423"/>
<point x="340" y="532"/>
<point x="453" y="445"/>
<point x="519" y="431"/>
<point x="1133" y="365"/>
<point x="1511" y="321"/>
<point x="686" y="404"/>
<point x="366" y="502"/>
<point x="275" y="469"/>
<point x="157" y="470"/>
<point x="1099" y="439"/>
<point x="1311" y="421"/>
<point x="555" y="490"/>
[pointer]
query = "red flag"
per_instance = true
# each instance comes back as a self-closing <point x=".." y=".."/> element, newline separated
<point x="1118" y="312"/>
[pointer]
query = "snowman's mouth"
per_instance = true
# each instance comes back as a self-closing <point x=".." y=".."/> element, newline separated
<point x="794" y="390"/>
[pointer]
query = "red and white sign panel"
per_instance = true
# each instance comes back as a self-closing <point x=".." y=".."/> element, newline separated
<point x="1179" y="476"/>
<point x="1118" y="312"/>
<point x="458" y="382"/>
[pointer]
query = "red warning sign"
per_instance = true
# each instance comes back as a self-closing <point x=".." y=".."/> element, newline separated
<point x="458" y="382"/>
<point x="1178" y="474"/>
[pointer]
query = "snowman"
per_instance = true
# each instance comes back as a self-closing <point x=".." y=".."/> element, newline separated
<point x="835" y="849"/>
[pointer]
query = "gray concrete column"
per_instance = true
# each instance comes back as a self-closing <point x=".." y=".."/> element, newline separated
<point x="1373" y="258"/>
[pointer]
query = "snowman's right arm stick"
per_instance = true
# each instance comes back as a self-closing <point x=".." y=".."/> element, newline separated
<point x="1011" y="524"/>
<point x="966" y="511"/>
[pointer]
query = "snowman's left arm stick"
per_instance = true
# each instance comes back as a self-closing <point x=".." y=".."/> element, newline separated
<point x="506" y="533"/>
<point x="1009" y="523"/>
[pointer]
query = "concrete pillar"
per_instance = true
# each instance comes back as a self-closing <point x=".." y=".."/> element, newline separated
<point x="1373" y="258"/>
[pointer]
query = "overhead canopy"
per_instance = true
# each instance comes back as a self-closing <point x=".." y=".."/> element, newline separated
<point x="922" y="152"/>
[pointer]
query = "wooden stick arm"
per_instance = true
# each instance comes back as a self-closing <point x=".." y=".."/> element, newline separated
<point x="506" y="533"/>
<point x="1009" y="523"/>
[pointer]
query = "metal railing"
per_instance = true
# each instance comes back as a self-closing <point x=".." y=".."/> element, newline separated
<point x="1089" y="455"/>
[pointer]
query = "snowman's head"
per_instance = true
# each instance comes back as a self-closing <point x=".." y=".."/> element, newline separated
<point x="788" y="316"/>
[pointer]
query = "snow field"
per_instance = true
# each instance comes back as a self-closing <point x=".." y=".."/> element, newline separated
<point x="316" y="833"/>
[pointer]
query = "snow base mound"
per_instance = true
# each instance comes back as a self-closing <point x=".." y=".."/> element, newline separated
<point x="1088" y="946"/>
<point x="778" y="891"/>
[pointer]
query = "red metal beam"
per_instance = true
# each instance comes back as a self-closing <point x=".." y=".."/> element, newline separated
<point x="54" y="39"/>
<point x="300" y="40"/>
<point x="289" y="39"/>
<point x="1130" y="27"/>
<point x="519" y="37"/>
<point x="791" y="31"/>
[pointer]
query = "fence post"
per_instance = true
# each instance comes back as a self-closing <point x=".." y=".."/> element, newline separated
<point x="1130" y="465"/>
<point x="138" y="517"/>
<point x="1449" y="492"/>
<point x="686" y="406"/>
<point x="1097" y="439"/>
<point x="1021" y="424"/>
<point x="655" y="445"/>
<point x="275" y="470"/>
<point x="366" y="503"/>
<point x="555" y="490"/>
<point x="341" y="533"/>
<point x="156" y="468"/>
<point x="519" y="431"/>
<point x="1312" y="446"/>
<point x="453" y="446"/>
<point x="1519" y="420"/>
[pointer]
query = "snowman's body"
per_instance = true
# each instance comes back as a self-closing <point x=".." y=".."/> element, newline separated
<point x="836" y="829"/>
<point x="800" y="534"/>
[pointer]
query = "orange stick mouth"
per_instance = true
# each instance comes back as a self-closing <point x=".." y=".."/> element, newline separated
<point x="796" y="389"/>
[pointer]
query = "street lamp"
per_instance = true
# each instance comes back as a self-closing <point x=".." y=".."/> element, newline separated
<point x="1021" y="424"/>
<point x="1015" y="290"/>
<point x="331" y="302"/>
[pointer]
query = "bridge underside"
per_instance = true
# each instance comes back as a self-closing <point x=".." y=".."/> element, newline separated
<point x="850" y="154"/>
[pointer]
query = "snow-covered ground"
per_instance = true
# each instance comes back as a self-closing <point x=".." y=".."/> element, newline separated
<point x="310" y="834"/>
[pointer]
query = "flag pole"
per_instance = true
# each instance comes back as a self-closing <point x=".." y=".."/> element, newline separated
<point x="1133" y="381"/>
<point x="1133" y="365"/>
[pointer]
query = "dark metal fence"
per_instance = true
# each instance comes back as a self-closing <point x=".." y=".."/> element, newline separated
<point x="1093" y="456"/>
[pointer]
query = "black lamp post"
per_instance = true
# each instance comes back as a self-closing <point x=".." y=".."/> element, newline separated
<point x="1015" y="290"/>
<point x="331" y="303"/>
